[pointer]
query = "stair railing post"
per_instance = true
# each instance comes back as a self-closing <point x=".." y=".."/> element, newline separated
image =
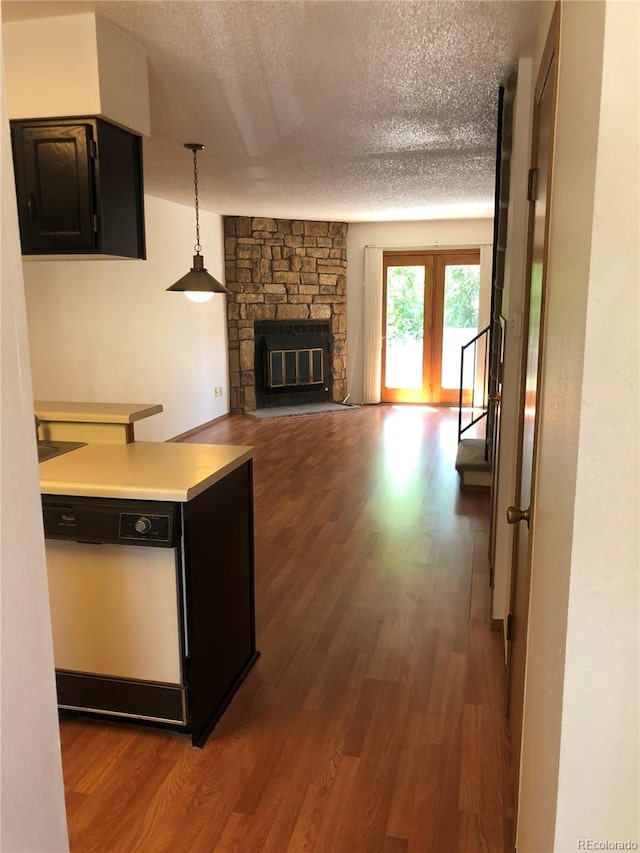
<point x="474" y="341"/>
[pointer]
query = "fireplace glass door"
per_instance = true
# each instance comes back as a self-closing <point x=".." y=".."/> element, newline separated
<point x="295" y="367"/>
<point x="430" y="309"/>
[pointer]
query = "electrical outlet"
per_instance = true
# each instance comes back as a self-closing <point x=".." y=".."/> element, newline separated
<point x="217" y="392"/>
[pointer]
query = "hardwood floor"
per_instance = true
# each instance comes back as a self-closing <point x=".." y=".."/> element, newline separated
<point x="374" y="720"/>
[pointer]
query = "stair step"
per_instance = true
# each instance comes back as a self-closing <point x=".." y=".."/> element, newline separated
<point x="474" y="469"/>
<point x="470" y="456"/>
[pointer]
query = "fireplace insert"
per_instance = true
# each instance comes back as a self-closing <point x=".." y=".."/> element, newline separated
<point x="292" y="362"/>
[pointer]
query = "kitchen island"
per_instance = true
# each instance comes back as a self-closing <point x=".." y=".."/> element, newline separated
<point x="104" y="422"/>
<point x="144" y="470"/>
<point x="158" y="622"/>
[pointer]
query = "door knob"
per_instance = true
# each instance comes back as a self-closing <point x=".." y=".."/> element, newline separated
<point x="515" y="514"/>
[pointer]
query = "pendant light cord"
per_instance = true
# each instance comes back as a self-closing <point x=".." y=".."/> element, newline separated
<point x="197" y="246"/>
<point x="197" y="282"/>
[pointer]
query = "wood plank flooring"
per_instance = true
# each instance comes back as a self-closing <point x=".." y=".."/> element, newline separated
<point x="374" y="720"/>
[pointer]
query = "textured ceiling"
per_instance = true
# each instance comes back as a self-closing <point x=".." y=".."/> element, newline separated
<point x="351" y="111"/>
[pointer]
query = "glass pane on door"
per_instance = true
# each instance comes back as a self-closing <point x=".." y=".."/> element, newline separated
<point x="405" y="326"/>
<point x="460" y="322"/>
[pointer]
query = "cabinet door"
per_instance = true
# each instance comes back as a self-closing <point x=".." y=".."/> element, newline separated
<point x="54" y="175"/>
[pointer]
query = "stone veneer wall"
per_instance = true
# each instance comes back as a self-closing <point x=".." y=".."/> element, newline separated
<point x="282" y="269"/>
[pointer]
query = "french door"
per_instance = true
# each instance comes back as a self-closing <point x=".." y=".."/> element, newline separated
<point x="430" y="309"/>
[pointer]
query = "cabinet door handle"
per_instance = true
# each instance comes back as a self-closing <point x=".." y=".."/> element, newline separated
<point x="31" y="206"/>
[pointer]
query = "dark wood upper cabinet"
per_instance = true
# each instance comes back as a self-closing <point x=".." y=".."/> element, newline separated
<point x="79" y="187"/>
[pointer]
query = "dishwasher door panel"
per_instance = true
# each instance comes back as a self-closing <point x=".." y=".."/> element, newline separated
<point x="114" y="610"/>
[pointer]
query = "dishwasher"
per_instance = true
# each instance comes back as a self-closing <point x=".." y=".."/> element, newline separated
<point x="116" y="590"/>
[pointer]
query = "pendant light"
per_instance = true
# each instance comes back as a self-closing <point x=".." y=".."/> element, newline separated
<point x="198" y="285"/>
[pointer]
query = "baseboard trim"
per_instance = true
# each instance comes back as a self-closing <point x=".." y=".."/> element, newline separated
<point x="193" y="431"/>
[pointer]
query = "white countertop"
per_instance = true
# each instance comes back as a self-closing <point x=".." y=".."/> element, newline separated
<point x="95" y="413"/>
<point x="142" y="470"/>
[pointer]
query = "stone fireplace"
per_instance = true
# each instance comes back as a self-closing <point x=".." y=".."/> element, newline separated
<point x="286" y="311"/>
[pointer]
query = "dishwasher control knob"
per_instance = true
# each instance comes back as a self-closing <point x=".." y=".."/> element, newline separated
<point x="142" y="525"/>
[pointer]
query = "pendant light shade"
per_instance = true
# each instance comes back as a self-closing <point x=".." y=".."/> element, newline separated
<point x="198" y="280"/>
<point x="197" y="284"/>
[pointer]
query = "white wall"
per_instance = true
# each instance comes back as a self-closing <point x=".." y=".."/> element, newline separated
<point x="32" y="800"/>
<point x="107" y="331"/>
<point x="579" y="771"/>
<point x="599" y="791"/>
<point x="441" y="234"/>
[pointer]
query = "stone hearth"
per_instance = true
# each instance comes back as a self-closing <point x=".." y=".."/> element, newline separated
<point x="283" y="269"/>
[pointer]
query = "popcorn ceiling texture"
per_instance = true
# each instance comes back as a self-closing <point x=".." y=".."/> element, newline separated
<point x="333" y="111"/>
<point x="278" y="269"/>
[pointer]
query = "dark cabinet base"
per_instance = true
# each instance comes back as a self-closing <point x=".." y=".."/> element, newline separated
<point x="120" y="697"/>
<point x="219" y="594"/>
<point x="140" y="702"/>
<point x="199" y="736"/>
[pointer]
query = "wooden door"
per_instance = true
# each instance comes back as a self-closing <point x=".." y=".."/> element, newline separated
<point x="523" y="515"/>
<point x="430" y="309"/>
<point x="456" y="305"/>
<point x="407" y="327"/>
